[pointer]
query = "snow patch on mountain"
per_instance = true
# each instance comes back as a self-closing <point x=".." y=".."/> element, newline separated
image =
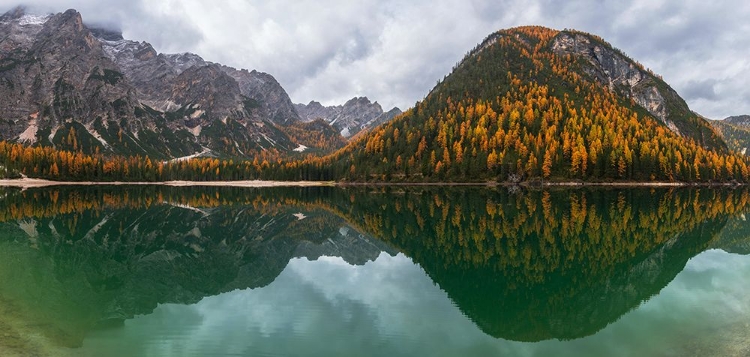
<point x="29" y="19"/>
<point x="183" y="61"/>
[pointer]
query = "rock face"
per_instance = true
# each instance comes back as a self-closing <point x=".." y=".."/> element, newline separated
<point x="354" y="116"/>
<point x="154" y="75"/>
<point x="265" y="94"/>
<point x="54" y="71"/>
<point x="628" y="78"/>
<point x="74" y="87"/>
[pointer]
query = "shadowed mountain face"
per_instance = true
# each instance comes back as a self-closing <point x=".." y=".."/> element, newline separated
<point x="524" y="266"/>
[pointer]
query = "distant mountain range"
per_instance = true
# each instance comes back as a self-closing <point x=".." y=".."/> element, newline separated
<point x="77" y="87"/>
<point x="354" y="116"/>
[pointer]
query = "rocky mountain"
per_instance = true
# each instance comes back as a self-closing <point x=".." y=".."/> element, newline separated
<point x="735" y="131"/>
<point x="356" y="115"/>
<point x="80" y="88"/>
<point x="536" y="103"/>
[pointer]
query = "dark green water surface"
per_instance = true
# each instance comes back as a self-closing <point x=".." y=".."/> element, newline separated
<point x="383" y="271"/>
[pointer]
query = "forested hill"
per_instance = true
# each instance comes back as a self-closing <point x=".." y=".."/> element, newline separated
<point x="532" y="102"/>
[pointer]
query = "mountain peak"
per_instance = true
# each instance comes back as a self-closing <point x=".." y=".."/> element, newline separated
<point x="356" y="115"/>
<point x="600" y="61"/>
<point x="61" y="23"/>
<point x="14" y="13"/>
<point x="123" y="97"/>
<point x="532" y="102"/>
<point x="23" y="17"/>
<point x="105" y="34"/>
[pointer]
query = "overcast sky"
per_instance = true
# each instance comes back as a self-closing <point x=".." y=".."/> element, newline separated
<point x="395" y="51"/>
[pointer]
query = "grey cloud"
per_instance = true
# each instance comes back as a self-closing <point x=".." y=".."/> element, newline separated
<point x="138" y="20"/>
<point x="705" y="89"/>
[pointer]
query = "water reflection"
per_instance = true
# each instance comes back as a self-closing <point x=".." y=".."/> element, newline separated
<point x="77" y="260"/>
<point x="529" y="266"/>
<point x="387" y="307"/>
<point x="548" y="264"/>
<point x="390" y="308"/>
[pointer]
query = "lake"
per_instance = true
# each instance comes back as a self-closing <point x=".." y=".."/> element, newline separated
<point x="374" y="271"/>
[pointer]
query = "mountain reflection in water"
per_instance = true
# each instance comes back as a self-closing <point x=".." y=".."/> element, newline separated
<point x="526" y="266"/>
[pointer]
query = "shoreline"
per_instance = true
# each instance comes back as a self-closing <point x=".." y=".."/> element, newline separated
<point x="539" y="185"/>
<point x="32" y="182"/>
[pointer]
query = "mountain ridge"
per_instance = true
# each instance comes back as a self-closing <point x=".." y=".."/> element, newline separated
<point x="80" y="88"/>
<point x="537" y="103"/>
<point x="526" y="104"/>
<point x="356" y="115"/>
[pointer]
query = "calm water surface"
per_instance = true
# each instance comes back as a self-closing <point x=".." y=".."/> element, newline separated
<point x="155" y="271"/>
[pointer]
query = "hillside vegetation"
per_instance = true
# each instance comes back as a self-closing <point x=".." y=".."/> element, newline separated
<point x="529" y="103"/>
<point x="514" y="109"/>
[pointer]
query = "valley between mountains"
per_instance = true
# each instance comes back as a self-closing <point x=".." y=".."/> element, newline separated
<point x="527" y="104"/>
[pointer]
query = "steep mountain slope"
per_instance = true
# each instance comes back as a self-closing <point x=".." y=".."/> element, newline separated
<point x="80" y="89"/>
<point x="735" y="132"/>
<point x="629" y="79"/>
<point x="356" y="115"/>
<point x="61" y="88"/>
<point x="532" y="102"/>
<point x="160" y="80"/>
